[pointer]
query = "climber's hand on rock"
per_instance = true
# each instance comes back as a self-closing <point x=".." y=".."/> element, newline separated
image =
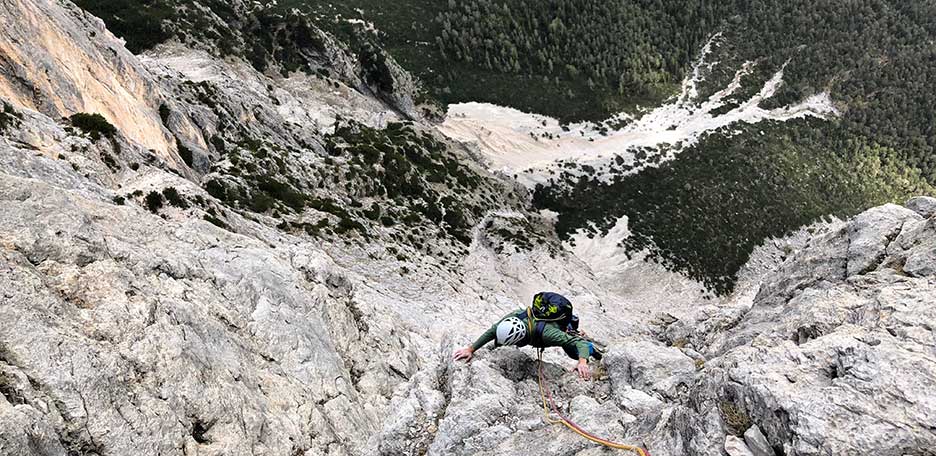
<point x="464" y="354"/>
<point x="582" y="369"/>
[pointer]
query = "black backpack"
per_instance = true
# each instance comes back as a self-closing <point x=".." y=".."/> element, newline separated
<point x="547" y="307"/>
<point x="551" y="307"/>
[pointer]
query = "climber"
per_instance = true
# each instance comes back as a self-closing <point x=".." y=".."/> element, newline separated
<point x="549" y="322"/>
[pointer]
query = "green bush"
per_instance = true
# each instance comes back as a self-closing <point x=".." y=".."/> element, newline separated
<point x="376" y="70"/>
<point x="282" y="192"/>
<point x="217" y="189"/>
<point x="93" y="124"/>
<point x="154" y="202"/>
<point x="216" y="221"/>
<point x="175" y="198"/>
<point x="261" y="202"/>
<point x="348" y="224"/>
<point x="110" y="161"/>
<point x="373" y="213"/>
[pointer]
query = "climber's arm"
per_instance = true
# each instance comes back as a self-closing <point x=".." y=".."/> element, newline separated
<point x="467" y="352"/>
<point x="485" y="338"/>
<point x="553" y="337"/>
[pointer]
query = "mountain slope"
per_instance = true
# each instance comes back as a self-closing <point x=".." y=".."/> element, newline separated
<point x="281" y="280"/>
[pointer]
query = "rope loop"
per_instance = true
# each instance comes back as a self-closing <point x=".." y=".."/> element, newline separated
<point x="551" y="406"/>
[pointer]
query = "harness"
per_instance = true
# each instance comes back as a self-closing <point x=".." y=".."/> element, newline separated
<point x="537" y="326"/>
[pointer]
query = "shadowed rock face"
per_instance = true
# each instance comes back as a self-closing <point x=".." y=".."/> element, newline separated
<point x="132" y="330"/>
<point x="923" y="205"/>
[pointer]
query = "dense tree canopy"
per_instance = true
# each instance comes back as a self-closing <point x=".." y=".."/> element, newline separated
<point x="630" y="47"/>
<point x="587" y="59"/>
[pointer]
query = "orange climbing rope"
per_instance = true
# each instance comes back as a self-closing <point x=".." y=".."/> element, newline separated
<point x="544" y="394"/>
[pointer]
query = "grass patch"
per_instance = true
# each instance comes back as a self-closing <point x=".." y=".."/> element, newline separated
<point x="735" y="418"/>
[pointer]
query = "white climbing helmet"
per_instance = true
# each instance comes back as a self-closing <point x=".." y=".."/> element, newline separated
<point x="510" y="331"/>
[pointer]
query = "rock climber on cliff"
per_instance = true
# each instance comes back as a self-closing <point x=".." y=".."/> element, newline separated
<point x="549" y="322"/>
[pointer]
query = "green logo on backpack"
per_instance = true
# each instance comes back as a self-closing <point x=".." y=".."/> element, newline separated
<point x="551" y="306"/>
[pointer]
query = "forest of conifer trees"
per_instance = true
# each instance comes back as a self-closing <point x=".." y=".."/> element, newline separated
<point x="589" y="59"/>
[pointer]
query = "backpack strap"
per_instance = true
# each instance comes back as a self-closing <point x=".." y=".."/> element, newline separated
<point x="538" y="334"/>
<point x="535" y="328"/>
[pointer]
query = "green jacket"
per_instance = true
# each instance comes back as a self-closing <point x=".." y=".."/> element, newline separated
<point x="553" y="336"/>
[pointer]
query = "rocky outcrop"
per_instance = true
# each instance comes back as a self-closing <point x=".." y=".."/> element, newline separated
<point x="757" y="443"/>
<point x="923" y="205"/>
<point x="185" y="338"/>
<point x="832" y="358"/>
<point x="59" y="60"/>
<point x="145" y="311"/>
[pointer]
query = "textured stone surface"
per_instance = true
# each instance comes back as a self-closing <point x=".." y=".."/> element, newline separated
<point x="636" y="401"/>
<point x="129" y="332"/>
<point x="923" y="205"/>
<point x="870" y="233"/>
<point x="651" y="367"/>
<point x="736" y="447"/>
<point x="757" y="443"/>
<point x="58" y="60"/>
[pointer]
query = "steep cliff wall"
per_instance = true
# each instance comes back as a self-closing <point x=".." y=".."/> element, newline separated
<point x="59" y="60"/>
<point x="256" y="292"/>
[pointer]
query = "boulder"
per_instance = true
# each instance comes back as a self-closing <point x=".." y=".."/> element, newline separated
<point x="651" y="368"/>
<point x="923" y="205"/>
<point x="734" y="446"/>
<point x="757" y="442"/>
<point x="870" y="233"/>
<point x="635" y="401"/>
<point x="921" y="263"/>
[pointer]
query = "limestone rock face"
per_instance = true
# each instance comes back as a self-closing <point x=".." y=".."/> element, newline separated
<point x="182" y="339"/>
<point x="923" y="205"/>
<point x="871" y="232"/>
<point x="757" y="443"/>
<point x="198" y="326"/>
<point x="829" y="364"/>
<point x="59" y="60"/>
<point x="652" y="368"/>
